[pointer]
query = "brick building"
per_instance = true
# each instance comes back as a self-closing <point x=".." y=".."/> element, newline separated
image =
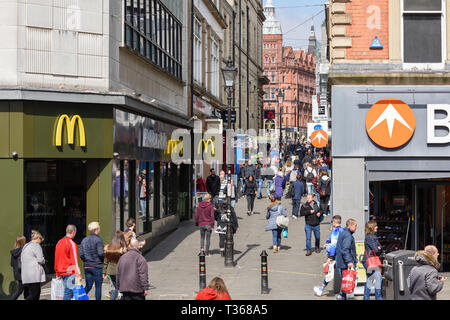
<point x="291" y="71"/>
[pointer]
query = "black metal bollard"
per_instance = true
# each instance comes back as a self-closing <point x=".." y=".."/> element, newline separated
<point x="202" y="270"/>
<point x="264" y="273"/>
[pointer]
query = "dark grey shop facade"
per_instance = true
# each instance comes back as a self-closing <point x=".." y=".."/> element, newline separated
<point x="405" y="189"/>
<point x="141" y="162"/>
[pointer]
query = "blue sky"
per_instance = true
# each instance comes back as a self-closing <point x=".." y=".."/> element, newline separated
<point x="292" y="13"/>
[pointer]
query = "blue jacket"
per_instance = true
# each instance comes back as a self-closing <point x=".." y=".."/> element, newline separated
<point x="299" y="190"/>
<point x="91" y="251"/>
<point x="371" y="246"/>
<point x="271" y="216"/>
<point x="332" y="241"/>
<point x="345" y="250"/>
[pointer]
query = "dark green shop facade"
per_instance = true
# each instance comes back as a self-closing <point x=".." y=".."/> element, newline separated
<point x="72" y="163"/>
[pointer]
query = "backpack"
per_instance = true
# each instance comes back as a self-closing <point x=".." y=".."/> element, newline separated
<point x="290" y="192"/>
<point x="324" y="191"/>
<point x="309" y="175"/>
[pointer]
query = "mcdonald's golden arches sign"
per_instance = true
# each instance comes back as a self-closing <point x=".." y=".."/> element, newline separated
<point x="70" y="124"/>
<point x="205" y="147"/>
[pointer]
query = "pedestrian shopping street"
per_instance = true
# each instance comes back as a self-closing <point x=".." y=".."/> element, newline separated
<point x="173" y="264"/>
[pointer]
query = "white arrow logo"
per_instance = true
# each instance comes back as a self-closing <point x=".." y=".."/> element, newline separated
<point x="320" y="137"/>
<point x="390" y="114"/>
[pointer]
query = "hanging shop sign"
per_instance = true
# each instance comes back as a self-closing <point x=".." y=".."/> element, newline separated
<point x="319" y="138"/>
<point x="202" y="106"/>
<point x="314" y="126"/>
<point x="70" y="123"/>
<point x="319" y="112"/>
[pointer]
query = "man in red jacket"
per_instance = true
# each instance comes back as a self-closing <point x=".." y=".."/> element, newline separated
<point x="204" y="217"/>
<point x="66" y="261"/>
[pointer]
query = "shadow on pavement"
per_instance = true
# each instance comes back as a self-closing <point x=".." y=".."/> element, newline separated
<point x="164" y="248"/>
<point x="282" y="247"/>
<point x="249" y="247"/>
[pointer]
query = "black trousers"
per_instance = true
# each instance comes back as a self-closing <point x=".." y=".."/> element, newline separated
<point x="34" y="291"/>
<point x="222" y="240"/>
<point x="132" y="296"/>
<point x="250" y="201"/>
<point x="324" y="204"/>
<point x="20" y="289"/>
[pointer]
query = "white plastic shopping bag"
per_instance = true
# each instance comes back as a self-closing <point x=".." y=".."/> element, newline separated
<point x="57" y="292"/>
<point x="330" y="275"/>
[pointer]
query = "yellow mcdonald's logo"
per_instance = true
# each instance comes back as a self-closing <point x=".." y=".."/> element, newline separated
<point x="173" y="144"/>
<point x="205" y="147"/>
<point x="70" y="125"/>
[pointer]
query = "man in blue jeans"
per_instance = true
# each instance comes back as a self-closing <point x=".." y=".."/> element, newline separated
<point x="259" y="179"/>
<point x="310" y="210"/>
<point x="346" y="251"/>
<point x="299" y="190"/>
<point x="92" y="254"/>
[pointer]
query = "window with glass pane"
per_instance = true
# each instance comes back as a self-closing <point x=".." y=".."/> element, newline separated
<point x="214" y="68"/>
<point x="126" y="192"/>
<point x="197" y="50"/>
<point x="422" y="5"/>
<point x="144" y="196"/>
<point x="422" y="31"/>
<point x="116" y="192"/>
<point x="155" y="33"/>
<point x="164" y="194"/>
<point x="173" y="175"/>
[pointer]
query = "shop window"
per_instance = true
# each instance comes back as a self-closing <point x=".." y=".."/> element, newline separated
<point x="169" y="192"/>
<point x="390" y="207"/>
<point x="116" y="186"/>
<point x="123" y="190"/>
<point x="134" y="194"/>
<point x="144" y="196"/>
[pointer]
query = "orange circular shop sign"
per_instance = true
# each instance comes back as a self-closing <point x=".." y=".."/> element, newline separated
<point x="390" y="123"/>
<point x="319" y="139"/>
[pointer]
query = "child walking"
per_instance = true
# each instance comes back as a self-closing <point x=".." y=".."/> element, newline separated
<point x="331" y="250"/>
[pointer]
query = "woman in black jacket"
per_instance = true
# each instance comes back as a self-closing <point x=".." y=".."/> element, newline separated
<point x="250" y="191"/>
<point x="16" y="265"/>
<point x="220" y="215"/>
<point x="372" y="248"/>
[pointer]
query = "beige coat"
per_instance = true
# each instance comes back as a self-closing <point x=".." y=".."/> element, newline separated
<point x="33" y="262"/>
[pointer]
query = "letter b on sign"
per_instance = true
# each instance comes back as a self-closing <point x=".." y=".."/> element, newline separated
<point x="442" y="122"/>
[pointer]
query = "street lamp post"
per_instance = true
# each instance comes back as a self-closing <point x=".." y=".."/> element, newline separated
<point x="229" y="73"/>
<point x="280" y="98"/>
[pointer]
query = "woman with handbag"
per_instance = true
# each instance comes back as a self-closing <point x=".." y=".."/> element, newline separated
<point x="113" y="251"/>
<point x="274" y="210"/>
<point x="371" y="261"/>
<point x="33" y="261"/>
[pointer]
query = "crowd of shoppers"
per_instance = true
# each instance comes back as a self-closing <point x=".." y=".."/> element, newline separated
<point x="120" y="261"/>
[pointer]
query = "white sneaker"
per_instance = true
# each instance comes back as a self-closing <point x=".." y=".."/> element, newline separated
<point x="318" y="290"/>
<point x="294" y="217"/>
